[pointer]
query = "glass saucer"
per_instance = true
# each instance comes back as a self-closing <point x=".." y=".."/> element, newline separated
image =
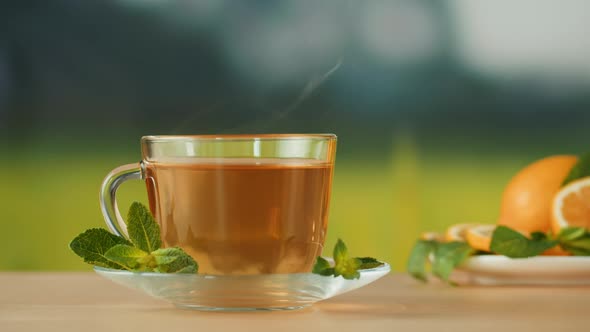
<point x="241" y="293"/>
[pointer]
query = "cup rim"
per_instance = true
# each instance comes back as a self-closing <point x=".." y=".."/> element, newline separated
<point x="236" y="137"/>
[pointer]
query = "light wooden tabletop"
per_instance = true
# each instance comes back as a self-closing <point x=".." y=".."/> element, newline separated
<point x="85" y="302"/>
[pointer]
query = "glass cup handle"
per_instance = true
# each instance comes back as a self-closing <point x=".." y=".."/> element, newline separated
<point x="108" y="199"/>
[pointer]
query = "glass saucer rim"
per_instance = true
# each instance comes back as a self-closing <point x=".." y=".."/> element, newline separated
<point x="382" y="268"/>
<point x="278" y="291"/>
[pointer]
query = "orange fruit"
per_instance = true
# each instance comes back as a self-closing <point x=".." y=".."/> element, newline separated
<point x="528" y="197"/>
<point x="480" y="237"/>
<point x="571" y="206"/>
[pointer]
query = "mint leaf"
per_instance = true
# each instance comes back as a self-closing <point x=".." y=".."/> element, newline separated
<point x="322" y="267"/>
<point x="127" y="256"/>
<point x="348" y="269"/>
<point x="449" y="255"/>
<point x="571" y="233"/>
<point x="580" y="170"/>
<point x="369" y="263"/>
<point x="538" y="236"/>
<point x="174" y="260"/>
<point x="575" y="251"/>
<point x="340" y="252"/>
<point x="344" y="266"/>
<point x="418" y="258"/>
<point x="582" y="243"/>
<point x="94" y="243"/>
<point x="98" y="246"/>
<point x="513" y="244"/>
<point x="143" y="230"/>
<point x="575" y="240"/>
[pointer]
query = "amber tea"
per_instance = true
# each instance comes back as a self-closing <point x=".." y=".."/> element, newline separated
<point x="243" y="215"/>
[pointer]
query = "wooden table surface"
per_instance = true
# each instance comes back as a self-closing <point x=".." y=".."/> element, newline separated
<point x="85" y="302"/>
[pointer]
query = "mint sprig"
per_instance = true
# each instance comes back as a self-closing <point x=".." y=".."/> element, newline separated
<point x="142" y="254"/>
<point x="345" y="266"/>
<point x="416" y="265"/>
<point x="510" y="243"/>
<point x="92" y="245"/>
<point x="127" y="256"/>
<point x="143" y="230"/>
<point x="445" y="257"/>
<point x="448" y="256"/>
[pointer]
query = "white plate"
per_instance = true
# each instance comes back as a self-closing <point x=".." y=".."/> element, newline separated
<point x="541" y="270"/>
<point x="248" y="292"/>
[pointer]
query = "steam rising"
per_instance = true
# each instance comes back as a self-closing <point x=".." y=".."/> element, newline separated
<point x="308" y="90"/>
<point x="313" y="84"/>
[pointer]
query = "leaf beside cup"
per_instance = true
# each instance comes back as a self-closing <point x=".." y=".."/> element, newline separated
<point x="143" y="229"/>
<point x="142" y="254"/>
<point x="345" y="266"/>
<point x="92" y="245"/>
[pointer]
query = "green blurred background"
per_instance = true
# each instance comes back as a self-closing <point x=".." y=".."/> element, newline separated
<point x="436" y="104"/>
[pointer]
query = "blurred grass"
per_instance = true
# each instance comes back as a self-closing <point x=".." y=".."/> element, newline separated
<point x="379" y="205"/>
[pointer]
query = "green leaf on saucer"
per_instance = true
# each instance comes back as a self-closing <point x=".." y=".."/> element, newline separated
<point x="571" y="233"/>
<point x="322" y="267"/>
<point x="127" y="256"/>
<point x="348" y="269"/>
<point x="510" y="243"/>
<point x="581" y="243"/>
<point x="575" y="251"/>
<point x="340" y="252"/>
<point x="94" y="243"/>
<point x="345" y="266"/>
<point x="369" y="263"/>
<point x="575" y="240"/>
<point x="143" y="230"/>
<point x="174" y="260"/>
<point x="538" y="236"/>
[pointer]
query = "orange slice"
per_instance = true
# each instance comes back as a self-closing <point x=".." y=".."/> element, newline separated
<point x="480" y="237"/>
<point x="457" y="232"/>
<point x="571" y="206"/>
<point x="430" y="236"/>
